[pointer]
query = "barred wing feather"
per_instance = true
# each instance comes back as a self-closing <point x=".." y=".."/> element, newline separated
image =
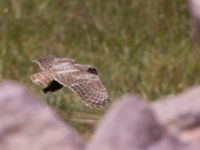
<point x="87" y="86"/>
<point x="51" y="61"/>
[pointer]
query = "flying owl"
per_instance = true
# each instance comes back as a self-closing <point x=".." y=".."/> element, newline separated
<point x="83" y="80"/>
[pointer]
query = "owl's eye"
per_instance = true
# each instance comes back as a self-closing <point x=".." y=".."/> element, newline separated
<point x="92" y="70"/>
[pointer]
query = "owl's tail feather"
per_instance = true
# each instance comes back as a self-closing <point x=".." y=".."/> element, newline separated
<point x="41" y="78"/>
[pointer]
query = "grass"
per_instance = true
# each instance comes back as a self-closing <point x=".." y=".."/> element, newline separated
<point x="144" y="47"/>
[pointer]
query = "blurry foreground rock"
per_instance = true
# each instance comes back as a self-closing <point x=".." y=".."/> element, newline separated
<point x="131" y="125"/>
<point x="194" y="6"/>
<point x="26" y="124"/>
<point x="171" y="123"/>
<point x="181" y="114"/>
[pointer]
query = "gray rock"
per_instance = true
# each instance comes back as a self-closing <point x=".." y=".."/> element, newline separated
<point x="169" y="142"/>
<point x="194" y="7"/>
<point x="181" y="111"/>
<point x="131" y="125"/>
<point x="181" y="114"/>
<point x="27" y="124"/>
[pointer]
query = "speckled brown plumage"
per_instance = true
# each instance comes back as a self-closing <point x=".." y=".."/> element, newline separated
<point x="81" y="79"/>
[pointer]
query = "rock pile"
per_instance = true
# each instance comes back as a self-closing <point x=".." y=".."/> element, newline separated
<point x="171" y="123"/>
<point x="27" y="124"/>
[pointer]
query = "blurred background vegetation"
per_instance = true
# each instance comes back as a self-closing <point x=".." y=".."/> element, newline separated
<point x="144" y="47"/>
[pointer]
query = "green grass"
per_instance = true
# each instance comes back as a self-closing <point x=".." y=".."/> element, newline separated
<point x="144" y="47"/>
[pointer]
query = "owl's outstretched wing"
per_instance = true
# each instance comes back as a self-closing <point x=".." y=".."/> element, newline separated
<point x="45" y="63"/>
<point x="86" y="85"/>
<point x="51" y="61"/>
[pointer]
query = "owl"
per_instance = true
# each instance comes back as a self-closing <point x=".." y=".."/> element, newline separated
<point x="83" y="80"/>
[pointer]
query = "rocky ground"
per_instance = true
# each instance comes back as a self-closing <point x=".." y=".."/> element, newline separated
<point x="170" y="123"/>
